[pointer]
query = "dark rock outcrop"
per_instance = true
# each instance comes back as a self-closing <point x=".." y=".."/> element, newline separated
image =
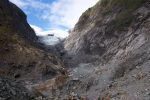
<point x="11" y="89"/>
<point x="20" y="55"/>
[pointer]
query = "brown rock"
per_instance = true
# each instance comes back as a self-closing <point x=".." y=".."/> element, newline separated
<point x="74" y="87"/>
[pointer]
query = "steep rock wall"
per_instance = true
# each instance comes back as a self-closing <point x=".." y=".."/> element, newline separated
<point x="111" y="29"/>
<point x="19" y="55"/>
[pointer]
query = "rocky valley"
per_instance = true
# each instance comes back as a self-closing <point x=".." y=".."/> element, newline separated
<point x="105" y="57"/>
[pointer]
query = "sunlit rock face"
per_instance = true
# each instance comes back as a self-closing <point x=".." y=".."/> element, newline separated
<point x="113" y="38"/>
<point x="110" y="30"/>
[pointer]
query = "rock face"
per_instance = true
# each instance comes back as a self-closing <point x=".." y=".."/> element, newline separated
<point x="20" y="55"/>
<point x="110" y="29"/>
<point x="113" y="37"/>
<point x="11" y="89"/>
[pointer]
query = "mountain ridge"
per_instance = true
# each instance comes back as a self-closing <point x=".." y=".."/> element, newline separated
<point x="108" y="26"/>
<point x="21" y="55"/>
<point x="106" y="54"/>
<point x="114" y="36"/>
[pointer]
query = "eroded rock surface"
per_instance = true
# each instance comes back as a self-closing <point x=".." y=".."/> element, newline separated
<point x="11" y="89"/>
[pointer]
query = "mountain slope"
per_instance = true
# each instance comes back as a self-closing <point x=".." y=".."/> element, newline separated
<point x="102" y="29"/>
<point x="111" y="43"/>
<point x="109" y="48"/>
<point x="20" y="55"/>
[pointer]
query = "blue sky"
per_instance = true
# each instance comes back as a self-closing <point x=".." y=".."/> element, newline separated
<point x="46" y="16"/>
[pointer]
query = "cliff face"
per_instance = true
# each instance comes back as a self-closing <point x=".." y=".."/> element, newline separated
<point x="19" y="55"/>
<point x="111" y="46"/>
<point x="111" y="29"/>
<point x="20" y="22"/>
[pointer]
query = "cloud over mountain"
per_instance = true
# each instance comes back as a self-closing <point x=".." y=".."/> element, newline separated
<point x="56" y="32"/>
<point x="58" y="13"/>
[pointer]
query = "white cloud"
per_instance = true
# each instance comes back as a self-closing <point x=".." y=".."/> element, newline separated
<point x="19" y="3"/>
<point x="31" y="3"/>
<point x="59" y="12"/>
<point x="67" y="12"/>
<point x="56" y="32"/>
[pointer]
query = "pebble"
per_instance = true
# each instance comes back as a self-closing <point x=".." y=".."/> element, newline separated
<point x="81" y="76"/>
<point x="134" y="75"/>
<point x="137" y="67"/>
<point x="74" y="87"/>
<point x="12" y="91"/>
<point x="148" y="93"/>
<point x="73" y="94"/>
<point x="75" y="79"/>
<point x="146" y="89"/>
<point x="40" y="98"/>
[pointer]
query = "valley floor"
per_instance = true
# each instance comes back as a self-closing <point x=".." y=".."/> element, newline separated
<point x="89" y="80"/>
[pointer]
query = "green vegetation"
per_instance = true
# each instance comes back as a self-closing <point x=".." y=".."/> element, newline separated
<point x="104" y="3"/>
<point x="128" y="4"/>
<point x="98" y="23"/>
<point x="103" y="8"/>
<point x="124" y="17"/>
<point x="10" y="40"/>
<point x="84" y="18"/>
<point x="120" y="72"/>
<point x="15" y="36"/>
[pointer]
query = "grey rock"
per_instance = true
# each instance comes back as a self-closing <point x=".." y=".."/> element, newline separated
<point x="75" y="79"/>
<point x="11" y="91"/>
<point x="73" y="94"/>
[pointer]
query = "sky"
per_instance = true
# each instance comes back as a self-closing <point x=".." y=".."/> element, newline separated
<point x="53" y="16"/>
